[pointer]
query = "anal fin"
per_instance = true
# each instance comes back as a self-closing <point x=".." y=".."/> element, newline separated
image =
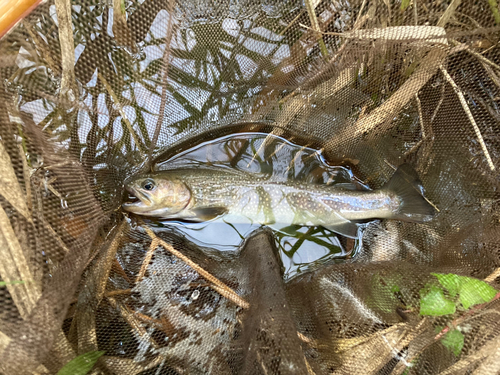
<point x="347" y="228"/>
<point x="319" y="213"/>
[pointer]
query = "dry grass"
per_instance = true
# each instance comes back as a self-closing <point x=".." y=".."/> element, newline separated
<point x="465" y="106"/>
<point x="68" y="81"/>
<point x="216" y="284"/>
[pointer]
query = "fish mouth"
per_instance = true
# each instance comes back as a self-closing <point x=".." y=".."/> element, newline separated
<point x="132" y="199"/>
<point x="136" y="199"/>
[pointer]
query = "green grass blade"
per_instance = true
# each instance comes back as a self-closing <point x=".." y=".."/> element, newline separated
<point x="81" y="365"/>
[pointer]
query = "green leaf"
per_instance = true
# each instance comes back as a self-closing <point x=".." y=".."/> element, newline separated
<point x="470" y="291"/>
<point x="474" y="292"/>
<point x="494" y="9"/>
<point x="450" y="281"/>
<point x="383" y="289"/>
<point x="81" y="365"/>
<point x="454" y="341"/>
<point x="395" y="289"/>
<point x="405" y="4"/>
<point x="433" y="302"/>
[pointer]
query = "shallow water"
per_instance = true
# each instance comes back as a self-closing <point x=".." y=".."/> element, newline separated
<point x="301" y="247"/>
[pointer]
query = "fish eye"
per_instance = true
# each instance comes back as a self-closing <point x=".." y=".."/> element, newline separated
<point x="148" y="185"/>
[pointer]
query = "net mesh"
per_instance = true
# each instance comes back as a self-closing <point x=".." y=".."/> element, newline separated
<point x="94" y="92"/>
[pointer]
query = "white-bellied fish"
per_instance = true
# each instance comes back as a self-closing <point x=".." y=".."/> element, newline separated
<point x="204" y="193"/>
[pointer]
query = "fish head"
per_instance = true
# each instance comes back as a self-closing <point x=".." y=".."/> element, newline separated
<point x="157" y="196"/>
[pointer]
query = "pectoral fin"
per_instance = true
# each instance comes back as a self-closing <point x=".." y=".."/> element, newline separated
<point x="207" y="213"/>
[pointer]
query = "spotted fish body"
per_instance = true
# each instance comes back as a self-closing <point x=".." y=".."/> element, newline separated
<point x="200" y="194"/>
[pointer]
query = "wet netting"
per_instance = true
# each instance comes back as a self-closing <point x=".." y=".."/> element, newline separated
<point x="94" y="92"/>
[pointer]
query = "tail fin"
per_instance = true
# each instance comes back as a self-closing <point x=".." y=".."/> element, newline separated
<point x="408" y="188"/>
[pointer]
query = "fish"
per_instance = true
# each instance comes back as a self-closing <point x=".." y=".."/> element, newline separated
<point x="202" y="193"/>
